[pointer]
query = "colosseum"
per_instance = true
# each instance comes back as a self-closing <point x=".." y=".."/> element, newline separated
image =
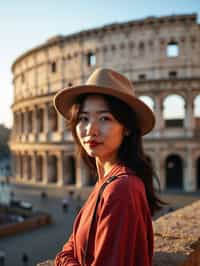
<point x="161" y="55"/>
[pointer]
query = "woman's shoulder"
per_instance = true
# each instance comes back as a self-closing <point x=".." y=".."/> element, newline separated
<point x="124" y="185"/>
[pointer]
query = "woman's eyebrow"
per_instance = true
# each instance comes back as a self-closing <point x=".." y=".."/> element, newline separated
<point x="98" y="112"/>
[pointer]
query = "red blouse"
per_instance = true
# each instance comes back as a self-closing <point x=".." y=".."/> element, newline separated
<point x="122" y="234"/>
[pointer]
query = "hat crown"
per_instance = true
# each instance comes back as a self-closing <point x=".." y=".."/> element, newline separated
<point x="108" y="78"/>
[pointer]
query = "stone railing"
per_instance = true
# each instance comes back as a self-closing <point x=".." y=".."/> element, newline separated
<point x="177" y="238"/>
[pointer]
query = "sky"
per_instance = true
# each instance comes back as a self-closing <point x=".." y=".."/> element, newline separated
<point x="27" y="24"/>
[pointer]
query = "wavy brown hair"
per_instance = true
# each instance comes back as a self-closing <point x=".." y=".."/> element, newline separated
<point x="131" y="152"/>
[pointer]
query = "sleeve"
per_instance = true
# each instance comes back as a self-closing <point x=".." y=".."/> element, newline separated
<point x="66" y="256"/>
<point x="116" y="234"/>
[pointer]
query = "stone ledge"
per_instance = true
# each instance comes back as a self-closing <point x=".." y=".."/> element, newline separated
<point x="177" y="238"/>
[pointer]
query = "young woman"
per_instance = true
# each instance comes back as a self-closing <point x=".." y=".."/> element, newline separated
<point x="107" y="123"/>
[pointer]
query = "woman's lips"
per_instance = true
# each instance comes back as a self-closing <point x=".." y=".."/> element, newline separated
<point x="93" y="144"/>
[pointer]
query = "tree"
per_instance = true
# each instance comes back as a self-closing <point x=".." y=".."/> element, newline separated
<point x="4" y="138"/>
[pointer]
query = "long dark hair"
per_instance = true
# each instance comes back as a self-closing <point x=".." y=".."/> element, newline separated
<point x="131" y="152"/>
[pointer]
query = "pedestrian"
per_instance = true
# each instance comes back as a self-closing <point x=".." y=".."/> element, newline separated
<point x="107" y="120"/>
<point x="25" y="258"/>
<point x="65" y="204"/>
<point x="43" y="194"/>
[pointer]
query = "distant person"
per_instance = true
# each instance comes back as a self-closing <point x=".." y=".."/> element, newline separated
<point x="114" y="227"/>
<point x="65" y="203"/>
<point x="25" y="259"/>
<point x="44" y="194"/>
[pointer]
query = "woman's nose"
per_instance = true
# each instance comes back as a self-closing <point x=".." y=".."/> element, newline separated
<point x="92" y="128"/>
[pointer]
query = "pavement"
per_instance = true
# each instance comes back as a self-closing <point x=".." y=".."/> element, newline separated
<point x="45" y="242"/>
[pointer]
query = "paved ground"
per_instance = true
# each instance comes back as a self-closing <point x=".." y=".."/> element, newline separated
<point x="45" y="242"/>
<point x="42" y="244"/>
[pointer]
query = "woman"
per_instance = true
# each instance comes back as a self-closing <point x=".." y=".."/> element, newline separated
<point x="107" y="123"/>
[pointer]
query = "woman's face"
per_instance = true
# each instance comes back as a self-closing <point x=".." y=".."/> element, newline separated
<point x="99" y="133"/>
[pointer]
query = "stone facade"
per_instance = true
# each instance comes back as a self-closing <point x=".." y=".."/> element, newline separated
<point x="160" y="55"/>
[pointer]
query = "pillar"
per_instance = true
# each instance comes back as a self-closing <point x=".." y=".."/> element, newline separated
<point x="189" y="177"/>
<point x="189" y="118"/>
<point x="60" y="170"/>
<point x="159" y="115"/>
<point x="45" y="168"/>
<point x="34" y="167"/>
<point x="81" y="173"/>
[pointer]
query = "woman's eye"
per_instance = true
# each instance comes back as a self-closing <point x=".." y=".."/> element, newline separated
<point x="83" y="118"/>
<point x="105" y="118"/>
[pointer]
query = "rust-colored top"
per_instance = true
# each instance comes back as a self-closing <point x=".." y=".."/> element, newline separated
<point x="122" y="234"/>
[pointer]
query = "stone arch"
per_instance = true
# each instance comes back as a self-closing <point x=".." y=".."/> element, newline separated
<point x="174" y="110"/>
<point x="53" y="169"/>
<point x="198" y="173"/>
<point x="174" y="172"/>
<point x="148" y="100"/>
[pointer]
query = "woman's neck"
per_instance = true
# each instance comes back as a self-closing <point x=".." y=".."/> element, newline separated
<point x="103" y="167"/>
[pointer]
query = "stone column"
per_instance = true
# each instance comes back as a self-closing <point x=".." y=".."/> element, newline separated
<point x="20" y="123"/>
<point x="61" y="124"/>
<point x="158" y="168"/>
<point x="45" y="175"/>
<point x="189" y="177"/>
<point x="81" y="173"/>
<point x="25" y="166"/>
<point x="46" y="119"/>
<point x="34" y="167"/>
<point x="189" y="118"/>
<point x="159" y="115"/>
<point x="25" y="121"/>
<point x="60" y="170"/>
<point x="63" y="65"/>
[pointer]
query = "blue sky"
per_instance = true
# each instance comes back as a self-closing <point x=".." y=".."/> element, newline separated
<point x="26" y="24"/>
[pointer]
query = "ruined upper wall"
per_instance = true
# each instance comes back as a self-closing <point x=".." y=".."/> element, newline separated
<point x="136" y="48"/>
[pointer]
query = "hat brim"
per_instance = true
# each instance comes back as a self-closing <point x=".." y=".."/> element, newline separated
<point x="65" y="98"/>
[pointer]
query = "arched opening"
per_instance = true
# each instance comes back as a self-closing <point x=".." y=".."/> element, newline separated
<point x="141" y="48"/>
<point x="53" y="119"/>
<point x="29" y="167"/>
<point x="148" y="100"/>
<point x="21" y="166"/>
<point x="197" y="114"/>
<point x="174" y="111"/>
<point x="39" y="169"/>
<point x="22" y="123"/>
<point x="174" y="172"/>
<point x="53" y="169"/>
<point x="72" y="170"/>
<point x="30" y="121"/>
<point x="198" y="173"/>
<point x="40" y="119"/>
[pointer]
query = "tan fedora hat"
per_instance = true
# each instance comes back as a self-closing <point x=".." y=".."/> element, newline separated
<point x="109" y="82"/>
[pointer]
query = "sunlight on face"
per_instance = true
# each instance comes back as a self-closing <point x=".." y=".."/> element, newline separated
<point x="99" y="133"/>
